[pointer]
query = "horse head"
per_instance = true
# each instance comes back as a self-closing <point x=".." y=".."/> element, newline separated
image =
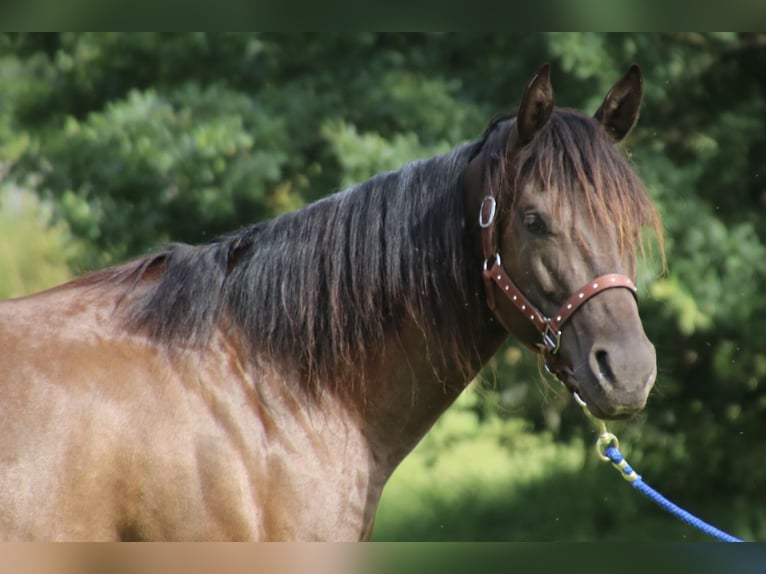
<point x="560" y="217"/>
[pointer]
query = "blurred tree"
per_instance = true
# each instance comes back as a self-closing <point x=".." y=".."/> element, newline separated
<point x="33" y="251"/>
<point x="141" y="138"/>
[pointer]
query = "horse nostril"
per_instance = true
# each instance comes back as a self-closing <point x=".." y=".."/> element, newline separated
<point x="602" y="359"/>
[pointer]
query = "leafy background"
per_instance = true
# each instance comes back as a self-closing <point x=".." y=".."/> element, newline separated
<point x="111" y="144"/>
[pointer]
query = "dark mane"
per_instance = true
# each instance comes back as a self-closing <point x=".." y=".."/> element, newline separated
<point x="323" y="285"/>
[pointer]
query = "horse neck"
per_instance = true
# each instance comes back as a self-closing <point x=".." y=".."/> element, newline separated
<point x="405" y="392"/>
<point x="413" y="378"/>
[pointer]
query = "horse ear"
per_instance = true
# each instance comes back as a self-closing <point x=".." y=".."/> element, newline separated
<point x="536" y="106"/>
<point x="619" y="112"/>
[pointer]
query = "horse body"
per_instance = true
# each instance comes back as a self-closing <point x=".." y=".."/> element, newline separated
<point x="189" y="446"/>
<point x="265" y="386"/>
<point x="88" y="459"/>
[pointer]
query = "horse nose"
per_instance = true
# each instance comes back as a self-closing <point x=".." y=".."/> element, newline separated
<point x="625" y="374"/>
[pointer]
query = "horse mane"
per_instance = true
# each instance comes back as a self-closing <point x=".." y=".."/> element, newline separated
<point x="323" y="286"/>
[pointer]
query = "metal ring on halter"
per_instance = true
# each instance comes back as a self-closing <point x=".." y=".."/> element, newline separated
<point x="484" y="223"/>
<point x="497" y="261"/>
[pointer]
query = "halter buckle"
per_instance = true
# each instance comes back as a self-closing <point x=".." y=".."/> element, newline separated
<point x="551" y="338"/>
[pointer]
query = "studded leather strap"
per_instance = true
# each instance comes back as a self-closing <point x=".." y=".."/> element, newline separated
<point x="549" y="328"/>
<point x="594" y="287"/>
<point x="496" y="274"/>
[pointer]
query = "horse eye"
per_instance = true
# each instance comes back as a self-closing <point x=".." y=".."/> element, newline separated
<point x="534" y="223"/>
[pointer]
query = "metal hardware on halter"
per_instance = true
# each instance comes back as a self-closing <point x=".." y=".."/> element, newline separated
<point x="551" y="338"/>
<point x="497" y="261"/>
<point x="484" y="223"/>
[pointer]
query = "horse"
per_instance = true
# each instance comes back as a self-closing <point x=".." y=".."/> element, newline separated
<point x="265" y="385"/>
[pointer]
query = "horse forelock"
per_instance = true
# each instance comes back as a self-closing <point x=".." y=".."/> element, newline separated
<point x="573" y="155"/>
<point x="321" y="288"/>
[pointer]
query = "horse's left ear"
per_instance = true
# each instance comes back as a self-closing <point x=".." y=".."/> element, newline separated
<point x="536" y="106"/>
<point x="619" y="112"/>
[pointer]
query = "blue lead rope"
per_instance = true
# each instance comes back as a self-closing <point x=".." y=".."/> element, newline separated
<point x="608" y="449"/>
<point x="615" y="457"/>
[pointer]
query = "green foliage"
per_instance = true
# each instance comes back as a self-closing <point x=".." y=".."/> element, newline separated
<point x="363" y="155"/>
<point x="150" y="166"/>
<point x="136" y="139"/>
<point x="33" y="253"/>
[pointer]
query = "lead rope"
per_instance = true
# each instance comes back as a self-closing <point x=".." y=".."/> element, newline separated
<point x="608" y="449"/>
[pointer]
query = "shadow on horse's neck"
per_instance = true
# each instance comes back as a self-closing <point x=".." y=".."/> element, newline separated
<point x="407" y="390"/>
<point x="412" y="380"/>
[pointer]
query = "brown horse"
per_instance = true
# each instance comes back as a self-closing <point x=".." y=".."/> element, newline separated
<point x="266" y="385"/>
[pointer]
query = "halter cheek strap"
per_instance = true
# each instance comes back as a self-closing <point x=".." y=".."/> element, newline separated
<point x="549" y="328"/>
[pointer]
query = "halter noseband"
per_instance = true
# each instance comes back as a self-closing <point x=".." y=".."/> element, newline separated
<point x="549" y="328"/>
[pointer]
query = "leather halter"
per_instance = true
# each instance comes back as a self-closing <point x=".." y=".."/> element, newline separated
<point x="549" y="328"/>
